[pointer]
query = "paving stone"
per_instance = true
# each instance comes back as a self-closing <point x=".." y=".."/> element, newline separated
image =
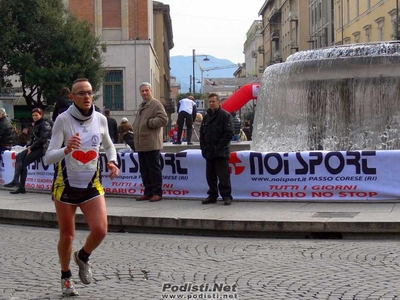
<point x="135" y="266"/>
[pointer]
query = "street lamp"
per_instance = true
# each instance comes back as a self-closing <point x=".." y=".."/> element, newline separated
<point x="194" y="64"/>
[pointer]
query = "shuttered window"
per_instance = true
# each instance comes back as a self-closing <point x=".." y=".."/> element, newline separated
<point x="114" y="90"/>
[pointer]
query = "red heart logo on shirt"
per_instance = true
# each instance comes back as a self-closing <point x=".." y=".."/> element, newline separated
<point x="84" y="157"/>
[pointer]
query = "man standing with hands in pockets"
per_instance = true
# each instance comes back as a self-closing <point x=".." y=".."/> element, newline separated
<point x="148" y="136"/>
<point x="77" y="179"/>
<point x="216" y="133"/>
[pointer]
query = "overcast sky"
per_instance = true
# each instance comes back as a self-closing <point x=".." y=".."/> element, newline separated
<point x="215" y="27"/>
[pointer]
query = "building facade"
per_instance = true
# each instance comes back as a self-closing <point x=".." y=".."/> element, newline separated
<point x="366" y="21"/>
<point x="163" y="43"/>
<point x="321" y="23"/>
<point x="252" y="49"/>
<point x="289" y="26"/>
<point x="138" y="41"/>
<point x="285" y="29"/>
<point x="175" y="88"/>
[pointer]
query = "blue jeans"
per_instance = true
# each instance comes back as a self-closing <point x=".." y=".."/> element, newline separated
<point x="236" y="137"/>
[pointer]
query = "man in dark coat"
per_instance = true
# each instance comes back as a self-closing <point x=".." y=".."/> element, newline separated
<point x="42" y="129"/>
<point x="237" y="124"/>
<point x="63" y="102"/>
<point x="216" y="132"/>
<point x="112" y="126"/>
<point x="6" y="132"/>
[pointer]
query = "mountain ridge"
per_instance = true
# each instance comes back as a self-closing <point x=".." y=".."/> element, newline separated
<point x="182" y="69"/>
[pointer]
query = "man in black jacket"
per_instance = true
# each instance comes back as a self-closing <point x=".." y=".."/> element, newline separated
<point x="237" y="125"/>
<point x="63" y="102"/>
<point x="42" y="129"/>
<point x="6" y="132"/>
<point x="112" y="126"/>
<point x="216" y="132"/>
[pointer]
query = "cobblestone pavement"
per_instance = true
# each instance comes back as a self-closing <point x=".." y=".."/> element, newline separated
<point x="135" y="266"/>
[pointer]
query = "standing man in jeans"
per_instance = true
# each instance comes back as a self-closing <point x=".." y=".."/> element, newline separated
<point x="216" y="133"/>
<point x="148" y="139"/>
<point x="187" y="110"/>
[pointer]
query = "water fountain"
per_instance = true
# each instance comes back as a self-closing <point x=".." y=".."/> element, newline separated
<point x="339" y="98"/>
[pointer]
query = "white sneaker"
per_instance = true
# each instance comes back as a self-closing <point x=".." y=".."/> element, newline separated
<point x="85" y="269"/>
<point x="68" y="288"/>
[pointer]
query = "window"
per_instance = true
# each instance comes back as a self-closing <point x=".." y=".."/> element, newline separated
<point x="368" y="4"/>
<point x="367" y="29"/>
<point x="111" y="14"/>
<point x="113" y="90"/>
<point x="380" y="22"/>
<point x="393" y="20"/>
<point x="356" y="37"/>
<point x="319" y="11"/>
<point x="357" y="8"/>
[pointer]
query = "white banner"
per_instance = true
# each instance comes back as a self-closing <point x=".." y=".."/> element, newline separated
<point x="309" y="175"/>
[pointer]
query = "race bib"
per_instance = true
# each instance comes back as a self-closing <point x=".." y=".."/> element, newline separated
<point x="84" y="159"/>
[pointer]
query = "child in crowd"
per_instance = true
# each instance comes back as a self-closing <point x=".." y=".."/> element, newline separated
<point x="173" y="134"/>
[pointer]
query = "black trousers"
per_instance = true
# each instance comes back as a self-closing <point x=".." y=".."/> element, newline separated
<point x="24" y="159"/>
<point x="151" y="172"/>
<point x="218" y="170"/>
<point x="182" y="116"/>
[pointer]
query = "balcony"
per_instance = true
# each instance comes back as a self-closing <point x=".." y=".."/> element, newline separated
<point x="293" y="16"/>
<point x="277" y="57"/>
<point x="275" y="12"/>
<point x="10" y="92"/>
<point x="293" y="44"/>
<point x="275" y="35"/>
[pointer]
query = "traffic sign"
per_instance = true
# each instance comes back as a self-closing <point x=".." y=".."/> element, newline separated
<point x="200" y="104"/>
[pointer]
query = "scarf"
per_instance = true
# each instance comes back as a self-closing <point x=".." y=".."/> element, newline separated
<point x="78" y="115"/>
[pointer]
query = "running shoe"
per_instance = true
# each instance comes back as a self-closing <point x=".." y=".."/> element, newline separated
<point x="68" y="288"/>
<point x="85" y="269"/>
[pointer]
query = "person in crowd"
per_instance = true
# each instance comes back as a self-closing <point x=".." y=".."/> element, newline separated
<point x="148" y="138"/>
<point x="24" y="137"/>
<point x="123" y="128"/>
<point x="237" y="125"/>
<point x="112" y="126"/>
<point x="42" y="130"/>
<point x="6" y="132"/>
<point x="173" y="133"/>
<point x="247" y="131"/>
<point x="196" y="127"/>
<point x="252" y="121"/>
<point x="63" y="101"/>
<point x="17" y="132"/>
<point x="216" y="133"/>
<point x="74" y="148"/>
<point x="187" y="110"/>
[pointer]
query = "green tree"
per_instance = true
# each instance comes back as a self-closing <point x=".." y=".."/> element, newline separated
<point x="48" y="48"/>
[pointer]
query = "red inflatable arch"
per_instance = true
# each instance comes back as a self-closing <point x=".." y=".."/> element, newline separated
<point x="241" y="97"/>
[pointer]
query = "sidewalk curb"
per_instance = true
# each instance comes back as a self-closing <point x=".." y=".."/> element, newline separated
<point x="297" y="229"/>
